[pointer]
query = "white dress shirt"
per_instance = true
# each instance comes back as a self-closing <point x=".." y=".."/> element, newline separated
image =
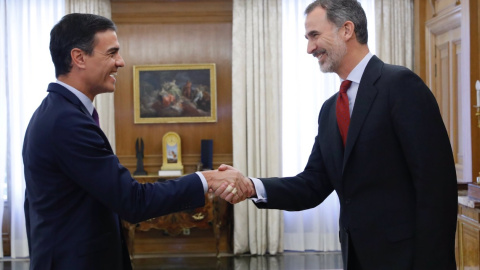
<point x="355" y="76"/>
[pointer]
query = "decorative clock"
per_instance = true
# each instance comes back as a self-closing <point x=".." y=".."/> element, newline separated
<point x="172" y="155"/>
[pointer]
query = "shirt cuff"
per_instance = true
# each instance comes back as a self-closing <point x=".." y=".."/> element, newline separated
<point x="204" y="181"/>
<point x="260" y="190"/>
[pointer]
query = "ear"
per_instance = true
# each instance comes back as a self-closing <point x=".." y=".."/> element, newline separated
<point x="78" y="58"/>
<point x="349" y="30"/>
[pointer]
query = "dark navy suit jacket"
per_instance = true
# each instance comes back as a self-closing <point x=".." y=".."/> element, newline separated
<point x="396" y="178"/>
<point x="76" y="190"/>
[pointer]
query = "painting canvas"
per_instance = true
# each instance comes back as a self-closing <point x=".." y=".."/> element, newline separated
<point x="175" y="93"/>
<point x="172" y="153"/>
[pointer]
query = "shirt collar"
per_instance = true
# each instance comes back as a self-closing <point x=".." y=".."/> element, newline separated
<point x="356" y="74"/>
<point x="83" y="98"/>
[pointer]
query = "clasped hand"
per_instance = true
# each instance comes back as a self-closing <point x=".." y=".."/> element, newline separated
<point x="229" y="184"/>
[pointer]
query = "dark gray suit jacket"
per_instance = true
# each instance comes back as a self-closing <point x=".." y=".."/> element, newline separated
<point x="396" y="178"/>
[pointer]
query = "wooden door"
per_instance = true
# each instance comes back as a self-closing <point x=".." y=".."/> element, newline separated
<point x="444" y="61"/>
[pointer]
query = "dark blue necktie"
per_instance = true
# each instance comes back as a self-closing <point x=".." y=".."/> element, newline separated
<point x="95" y="117"/>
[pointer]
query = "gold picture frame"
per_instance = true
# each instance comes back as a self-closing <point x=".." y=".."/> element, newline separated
<point x="172" y="154"/>
<point x="180" y="93"/>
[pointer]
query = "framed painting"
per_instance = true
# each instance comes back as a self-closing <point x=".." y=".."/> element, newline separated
<point x="182" y="93"/>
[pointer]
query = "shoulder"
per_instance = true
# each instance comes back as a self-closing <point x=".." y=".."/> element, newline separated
<point x="331" y="101"/>
<point x="388" y="73"/>
<point x="404" y="88"/>
<point x="396" y="71"/>
<point x="379" y="73"/>
<point x="388" y="78"/>
<point x="57" y="118"/>
<point x="401" y="79"/>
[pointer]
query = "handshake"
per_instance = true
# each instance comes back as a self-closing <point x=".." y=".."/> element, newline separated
<point x="229" y="184"/>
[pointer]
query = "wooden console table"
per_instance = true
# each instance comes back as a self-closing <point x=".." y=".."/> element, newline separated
<point x="206" y="217"/>
<point x="468" y="233"/>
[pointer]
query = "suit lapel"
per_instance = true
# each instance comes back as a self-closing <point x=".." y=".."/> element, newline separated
<point x="333" y="137"/>
<point x="59" y="89"/>
<point x="365" y="96"/>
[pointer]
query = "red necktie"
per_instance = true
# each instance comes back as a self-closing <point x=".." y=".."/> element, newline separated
<point x="95" y="117"/>
<point x="343" y="113"/>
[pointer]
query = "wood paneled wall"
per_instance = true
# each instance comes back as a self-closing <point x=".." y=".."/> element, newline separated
<point x="475" y="75"/>
<point x="173" y="32"/>
<point x="470" y="39"/>
<point x="154" y="32"/>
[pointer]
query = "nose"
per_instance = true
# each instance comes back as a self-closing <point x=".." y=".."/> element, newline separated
<point x="311" y="47"/>
<point x="119" y="62"/>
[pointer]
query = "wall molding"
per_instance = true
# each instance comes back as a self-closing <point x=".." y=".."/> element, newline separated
<point x="178" y="12"/>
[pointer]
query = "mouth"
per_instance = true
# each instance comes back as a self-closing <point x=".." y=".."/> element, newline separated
<point x="319" y="54"/>
<point x="114" y="75"/>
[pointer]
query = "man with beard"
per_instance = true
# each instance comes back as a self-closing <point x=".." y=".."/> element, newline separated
<point x="381" y="145"/>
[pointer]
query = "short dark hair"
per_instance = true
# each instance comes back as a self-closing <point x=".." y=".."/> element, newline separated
<point x="340" y="11"/>
<point x="75" y="30"/>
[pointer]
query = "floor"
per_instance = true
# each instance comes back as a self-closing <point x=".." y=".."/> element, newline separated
<point x="285" y="261"/>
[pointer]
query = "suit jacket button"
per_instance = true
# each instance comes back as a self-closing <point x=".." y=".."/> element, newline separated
<point x="348" y="201"/>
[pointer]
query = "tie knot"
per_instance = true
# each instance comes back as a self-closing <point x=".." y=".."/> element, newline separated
<point x="345" y="85"/>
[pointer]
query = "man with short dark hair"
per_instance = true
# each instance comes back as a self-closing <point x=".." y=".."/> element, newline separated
<point x="76" y="189"/>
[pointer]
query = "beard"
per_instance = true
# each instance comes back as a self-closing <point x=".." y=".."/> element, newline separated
<point x="334" y="56"/>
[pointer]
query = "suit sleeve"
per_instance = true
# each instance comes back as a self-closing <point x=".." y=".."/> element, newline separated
<point x="83" y="155"/>
<point x="424" y="140"/>
<point x="303" y="191"/>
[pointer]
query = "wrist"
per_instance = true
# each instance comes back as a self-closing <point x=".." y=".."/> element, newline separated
<point x="253" y="193"/>
<point x="208" y="177"/>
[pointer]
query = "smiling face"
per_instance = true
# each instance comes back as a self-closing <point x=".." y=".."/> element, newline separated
<point x="324" y="41"/>
<point x="102" y="65"/>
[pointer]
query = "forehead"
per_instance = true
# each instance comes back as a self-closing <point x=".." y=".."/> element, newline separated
<point x="317" y="20"/>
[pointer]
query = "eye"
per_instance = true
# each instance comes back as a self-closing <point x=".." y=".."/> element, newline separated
<point x="312" y="35"/>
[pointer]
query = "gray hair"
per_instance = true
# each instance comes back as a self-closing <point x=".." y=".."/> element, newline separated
<point x="340" y="11"/>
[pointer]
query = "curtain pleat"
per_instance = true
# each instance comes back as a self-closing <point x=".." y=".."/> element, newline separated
<point x="256" y="103"/>
<point x="394" y="29"/>
<point x="27" y="69"/>
<point x="3" y="114"/>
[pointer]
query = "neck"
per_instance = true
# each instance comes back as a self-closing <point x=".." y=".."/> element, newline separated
<point x="355" y="54"/>
<point x="75" y="83"/>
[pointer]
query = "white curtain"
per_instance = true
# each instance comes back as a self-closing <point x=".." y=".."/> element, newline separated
<point x="3" y="116"/>
<point x="104" y="103"/>
<point x="256" y="105"/>
<point x="28" y="69"/>
<point x="305" y="88"/>
<point x="396" y="45"/>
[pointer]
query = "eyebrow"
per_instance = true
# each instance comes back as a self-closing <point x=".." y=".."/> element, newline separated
<point x="311" y="33"/>
<point x="113" y="50"/>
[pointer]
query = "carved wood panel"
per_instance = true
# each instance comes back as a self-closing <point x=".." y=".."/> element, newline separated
<point x="469" y="234"/>
<point x="444" y="62"/>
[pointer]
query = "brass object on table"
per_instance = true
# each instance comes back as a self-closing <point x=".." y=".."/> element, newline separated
<point x="206" y="217"/>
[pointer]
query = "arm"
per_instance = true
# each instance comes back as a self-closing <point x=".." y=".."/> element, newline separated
<point x="87" y="163"/>
<point x="424" y="141"/>
<point x="306" y="190"/>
